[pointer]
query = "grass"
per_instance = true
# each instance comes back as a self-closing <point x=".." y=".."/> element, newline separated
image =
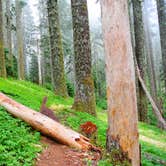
<point x="19" y="143"/>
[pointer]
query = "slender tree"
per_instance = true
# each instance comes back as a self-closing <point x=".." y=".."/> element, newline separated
<point x="140" y="56"/>
<point x="84" y="98"/>
<point x="149" y="54"/>
<point x="9" y="33"/>
<point x="39" y="63"/>
<point x="161" y="7"/>
<point x="19" y="32"/>
<point x="44" y="43"/>
<point x="2" y="56"/>
<point x="57" y="59"/>
<point x="122" y="134"/>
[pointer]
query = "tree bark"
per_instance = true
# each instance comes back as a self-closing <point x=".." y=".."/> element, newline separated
<point x="84" y="97"/>
<point x="44" y="44"/>
<point x="19" y="33"/>
<point x="46" y="125"/>
<point x="149" y="57"/>
<point x="2" y="56"/>
<point x="39" y="63"/>
<point x="9" y="34"/>
<point x="161" y="7"/>
<point x="122" y="134"/>
<point x="140" y="56"/>
<point x="57" y="59"/>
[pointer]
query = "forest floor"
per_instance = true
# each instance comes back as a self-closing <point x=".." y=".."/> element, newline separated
<point x="20" y="144"/>
<point x="56" y="154"/>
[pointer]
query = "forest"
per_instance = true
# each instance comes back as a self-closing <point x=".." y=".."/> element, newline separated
<point x="82" y="82"/>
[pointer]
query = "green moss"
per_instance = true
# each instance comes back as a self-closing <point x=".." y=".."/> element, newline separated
<point x="88" y="81"/>
<point x="57" y="59"/>
<point x="86" y="103"/>
<point x="117" y="157"/>
<point x="82" y="106"/>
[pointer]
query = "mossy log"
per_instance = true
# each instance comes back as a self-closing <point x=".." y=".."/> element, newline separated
<point x="46" y="125"/>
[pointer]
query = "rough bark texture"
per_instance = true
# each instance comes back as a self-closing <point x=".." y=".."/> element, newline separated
<point x="2" y="56"/>
<point x="84" y="98"/>
<point x="57" y="61"/>
<point x="19" y="33"/>
<point x="140" y="56"/>
<point x="9" y="34"/>
<point x="122" y="134"/>
<point x="161" y="7"/>
<point x="46" y="125"/>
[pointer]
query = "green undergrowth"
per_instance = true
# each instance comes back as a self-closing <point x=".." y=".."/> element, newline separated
<point x="19" y="143"/>
<point x="152" y="139"/>
<point x="30" y="94"/>
<point x="75" y="119"/>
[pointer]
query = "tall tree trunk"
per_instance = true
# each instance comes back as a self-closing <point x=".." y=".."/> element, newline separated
<point x="19" y="33"/>
<point x="57" y="59"/>
<point x="122" y="134"/>
<point x="84" y="98"/>
<point x="149" y="57"/>
<point x="43" y="35"/>
<point x="161" y="7"/>
<point x="39" y="63"/>
<point x="2" y="56"/>
<point x="9" y="35"/>
<point x="140" y="56"/>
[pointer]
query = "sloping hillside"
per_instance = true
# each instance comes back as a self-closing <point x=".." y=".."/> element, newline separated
<point x="19" y="144"/>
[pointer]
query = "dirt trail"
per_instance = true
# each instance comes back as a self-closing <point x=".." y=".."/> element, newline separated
<point x="56" y="154"/>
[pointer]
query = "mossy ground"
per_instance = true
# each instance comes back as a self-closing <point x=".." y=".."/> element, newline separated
<point x="19" y="143"/>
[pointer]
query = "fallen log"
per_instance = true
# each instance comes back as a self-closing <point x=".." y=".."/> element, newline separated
<point x="46" y="125"/>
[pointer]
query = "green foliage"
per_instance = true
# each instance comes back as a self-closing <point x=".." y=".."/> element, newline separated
<point x="153" y="145"/>
<point x="75" y="119"/>
<point x="34" y="76"/>
<point x="152" y="139"/>
<point x="162" y="97"/>
<point x="30" y="94"/>
<point x="48" y="86"/>
<point x="152" y="155"/>
<point x="70" y="89"/>
<point x="18" y="140"/>
<point x="162" y="101"/>
<point x="10" y="68"/>
<point x="102" y="103"/>
<point x="19" y="144"/>
<point x="104" y="162"/>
